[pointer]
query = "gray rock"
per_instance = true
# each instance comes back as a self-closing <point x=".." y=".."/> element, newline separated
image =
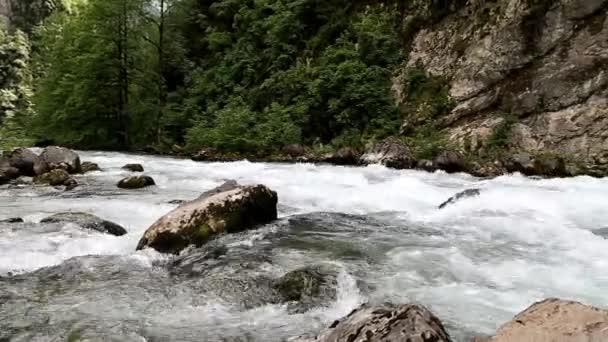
<point x="294" y="150"/>
<point x="136" y="182"/>
<point x="384" y="323"/>
<point x="86" y="221"/>
<point x="70" y="184"/>
<point x="133" y="167"/>
<point x="227" y="209"/>
<point x="27" y="162"/>
<point x="61" y="158"/>
<point x="7" y="172"/>
<point x="426" y="165"/>
<point x="450" y="161"/>
<point x="343" y="156"/>
<point x="520" y="162"/>
<point x="390" y="152"/>
<point x="12" y="220"/>
<point x="459" y="196"/>
<point x="89" y="167"/>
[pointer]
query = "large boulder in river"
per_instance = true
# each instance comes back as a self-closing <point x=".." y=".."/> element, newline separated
<point x="227" y="209"/>
<point x="27" y="162"/>
<point x="136" y="182"/>
<point x="555" y="320"/>
<point x="390" y="152"/>
<point x="86" y="221"/>
<point x="450" y="161"/>
<point x="133" y="167"/>
<point x="61" y="158"/>
<point x="54" y="177"/>
<point x="343" y="156"/>
<point x="7" y="172"/>
<point x="385" y="323"/>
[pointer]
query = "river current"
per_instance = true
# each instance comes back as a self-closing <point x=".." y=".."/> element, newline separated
<point x="474" y="263"/>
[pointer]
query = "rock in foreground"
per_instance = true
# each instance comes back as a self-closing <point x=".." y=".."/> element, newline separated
<point x="136" y="182"/>
<point x="390" y="152"/>
<point x="87" y="221"/>
<point x="227" y="209"/>
<point x="61" y="158"/>
<point x="385" y="323"/>
<point x="27" y="162"/>
<point x="555" y="320"/>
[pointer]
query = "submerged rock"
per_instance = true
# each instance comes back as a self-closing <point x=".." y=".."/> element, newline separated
<point x="61" y="158"/>
<point x="227" y="209"/>
<point x="553" y="320"/>
<point x="133" y="167"/>
<point x="27" y="162"/>
<point x="70" y="184"/>
<point x="384" y="323"/>
<point x="89" y="167"/>
<point x="54" y="177"/>
<point x="12" y="220"/>
<point x="136" y="182"/>
<point x="87" y="221"/>
<point x="308" y="287"/>
<point x="461" y="195"/>
<point x="390" y="152"/>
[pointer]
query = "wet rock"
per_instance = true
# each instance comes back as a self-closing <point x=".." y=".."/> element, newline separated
<point x="86" y="221"/>
<point x="227" y="209"/>
<point x="7" y="172"/>
<point x="550" y="166"/>
<point x="384" y="323"/>
<point x="176" y="201"/>
<point x="390" y="152"/>
<point x="61" y="158"/>
<point x="54" y="177"/>
<point x="12" y="220"/>
<point x="426" y="165"/>
<point x="89" y="167"/>
<point x="555" y="320"/>
<point x="459" y="196"/>
<point x="206" y="154"/>
<point x="343" y="156"/>
<point x="133" y="167"/>
<point x="450" y="161"/>
<point x="603" y="232"/>
<point x="27" y="162"/>
<point x="520" y="162"/>
<point x="70" y="184"/>
<point x="23" y="180"/>
<point x="308" y="287"/>
<point x="294" y="150"/>
<point x="136" y="182"/>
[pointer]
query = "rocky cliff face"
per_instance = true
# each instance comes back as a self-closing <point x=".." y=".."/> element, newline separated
<point x="533" y="71"/>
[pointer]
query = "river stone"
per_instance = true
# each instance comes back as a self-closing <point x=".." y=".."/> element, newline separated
<point x="384" y="323"/>
<point x="60" y="157"/>
<point x="27" y="162"/>
<point x="461" y="195"/>
<point x="390" y="152"/>
<point x="450" y="161"/>
<point x="7" y="172"/>
<point x="343" y="156"/>
<point x="12" y="220"/>
<point x="89" y="167"/>
<point x="135" y="182"/>
<point x="227" y="209"/>
<point x="133" y="167"/>
<point x="554" y="320"/>
<point x="87" y="221"/>
<point x="294" y="150"/>
<point x="308" y="287"/>
<point x="54" y="177"/>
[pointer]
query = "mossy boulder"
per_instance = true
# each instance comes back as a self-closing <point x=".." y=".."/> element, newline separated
<point x="308" y="287"/>
<point x="54" y="177"/>
<point x="136" y="182"/>
<point x="229" y="208"/>
<point x="61" y="158"/>
<point x="133" y="167"/>
<point x="86" y="221"/>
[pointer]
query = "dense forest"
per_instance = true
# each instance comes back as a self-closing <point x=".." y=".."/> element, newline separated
<point x="241" y="76"/>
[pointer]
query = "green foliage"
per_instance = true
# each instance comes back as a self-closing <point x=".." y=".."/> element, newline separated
<point x="427" y="141"/>
<point x="426" y="96"/>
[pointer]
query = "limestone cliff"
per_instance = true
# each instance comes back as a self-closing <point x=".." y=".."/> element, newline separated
<point x="537" y="70"/>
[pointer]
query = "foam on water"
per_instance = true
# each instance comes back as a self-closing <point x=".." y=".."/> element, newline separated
<point x="477" y="262"/>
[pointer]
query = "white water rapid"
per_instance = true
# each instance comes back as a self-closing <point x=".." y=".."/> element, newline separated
<point x="474" y="263"/>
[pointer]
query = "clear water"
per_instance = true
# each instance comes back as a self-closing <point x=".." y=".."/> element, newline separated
<point x="474" y="263"/>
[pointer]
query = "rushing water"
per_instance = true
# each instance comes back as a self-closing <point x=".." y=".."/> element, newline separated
<point x="474" y="263"/>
